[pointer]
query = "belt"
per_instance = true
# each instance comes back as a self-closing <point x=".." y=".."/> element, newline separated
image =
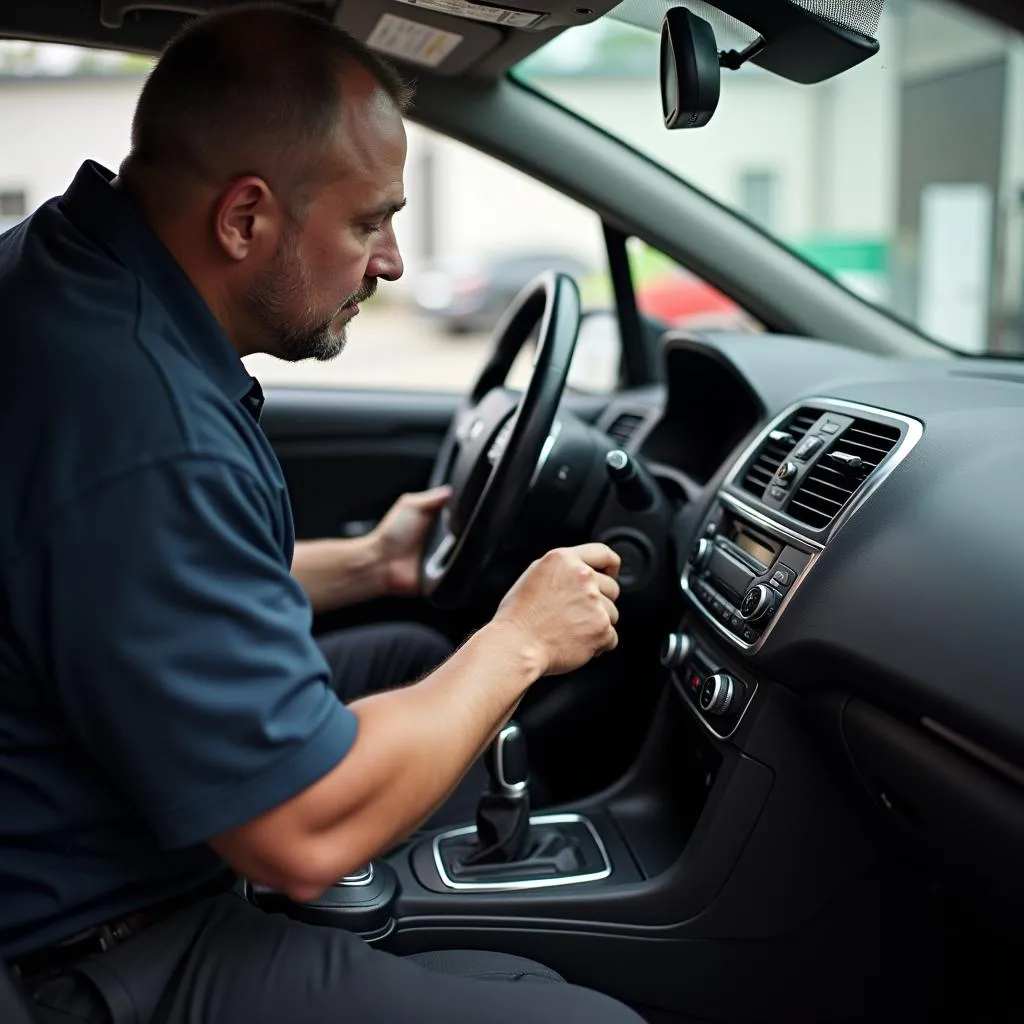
<point x="102" y="938"/>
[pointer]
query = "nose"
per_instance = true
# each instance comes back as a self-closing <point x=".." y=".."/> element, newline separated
<point x="386" y="260"/>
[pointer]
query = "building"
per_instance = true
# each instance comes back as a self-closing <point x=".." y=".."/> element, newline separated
<point x="871" y="175"/>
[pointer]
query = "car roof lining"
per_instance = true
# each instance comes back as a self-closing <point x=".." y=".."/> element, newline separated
<point x="476" y="47"/>
<point x="144" y="26"/>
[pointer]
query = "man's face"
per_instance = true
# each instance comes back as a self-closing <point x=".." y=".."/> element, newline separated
<point x="331" y="260"/>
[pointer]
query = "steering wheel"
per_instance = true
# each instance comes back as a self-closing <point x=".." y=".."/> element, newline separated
<point x="498" y="440"/>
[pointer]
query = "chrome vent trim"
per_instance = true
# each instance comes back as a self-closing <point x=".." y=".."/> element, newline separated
<point x="778" y="443"/>
<point x="829" y="485"/>
<point x="913" y="432"/>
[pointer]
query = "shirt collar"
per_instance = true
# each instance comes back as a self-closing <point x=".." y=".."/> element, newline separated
<point x="106" y="213"/>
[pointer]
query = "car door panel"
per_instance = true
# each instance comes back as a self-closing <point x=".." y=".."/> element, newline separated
<point x="347" y="454"/>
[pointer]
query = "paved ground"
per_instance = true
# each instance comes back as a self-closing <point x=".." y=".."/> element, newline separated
<point x="394" y="347"/>
<point x="387" y="347"/>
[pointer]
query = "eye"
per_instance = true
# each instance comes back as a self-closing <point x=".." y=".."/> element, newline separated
<point x="374" y="227"/>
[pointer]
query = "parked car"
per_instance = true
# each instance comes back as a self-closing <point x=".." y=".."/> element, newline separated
<point x="681" y="300"/>
<point x="469" y="291"/>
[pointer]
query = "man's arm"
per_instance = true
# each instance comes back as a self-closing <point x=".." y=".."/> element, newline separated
<point x="339" y="572"/>
<point x="179" y="647"/>
<point x="414" y="744"/>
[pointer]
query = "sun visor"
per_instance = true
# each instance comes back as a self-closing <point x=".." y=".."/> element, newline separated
<point x="424" y="39"/>
<point x="805" y="41"/>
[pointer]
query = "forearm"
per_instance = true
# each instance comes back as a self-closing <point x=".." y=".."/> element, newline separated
<point x="415" y="744"/>
<point x="412" y="748"/>
<point x="339" y="572"/>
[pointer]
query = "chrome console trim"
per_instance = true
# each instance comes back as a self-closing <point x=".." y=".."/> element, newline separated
<point x="525" y="883"/>
<point x="814" y="550"/>
<point x="777" y="523"/>
<point x="780" y="530"/>
<point x="364" y="876"/>
<point x="680" y="686"/>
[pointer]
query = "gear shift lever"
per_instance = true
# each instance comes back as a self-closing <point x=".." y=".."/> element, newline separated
<point x="503" y="813"/>
<point x="507" y="764"/>
<point x="507" y="850"/>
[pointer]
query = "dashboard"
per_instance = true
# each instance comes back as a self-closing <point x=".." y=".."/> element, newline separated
<point x="851" y="529"/>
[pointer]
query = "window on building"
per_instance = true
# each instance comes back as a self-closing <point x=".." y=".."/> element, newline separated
<point x="758" y="196"/>
<point x="13" y="203"/>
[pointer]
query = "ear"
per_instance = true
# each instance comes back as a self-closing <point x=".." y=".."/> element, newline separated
<point x="247" y="218"/>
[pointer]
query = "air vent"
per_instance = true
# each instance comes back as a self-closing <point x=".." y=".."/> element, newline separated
<point x="775" y="448"/>
<point x="842" y="471"/>
<point x="624" y="426"/>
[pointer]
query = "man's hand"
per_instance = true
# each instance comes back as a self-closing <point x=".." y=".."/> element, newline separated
<point x="415" y="743"/>
<point x="564" y="606"/>
<point x="400" y="536"/>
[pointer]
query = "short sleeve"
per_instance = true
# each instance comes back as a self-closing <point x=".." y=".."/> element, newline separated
<point x="181" y="650"/>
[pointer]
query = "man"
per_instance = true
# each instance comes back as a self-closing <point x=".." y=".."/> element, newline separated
<point x="164" y="709"/>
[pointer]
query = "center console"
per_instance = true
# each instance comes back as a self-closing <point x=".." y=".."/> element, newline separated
<point x="725" y="859"/>
<point x="743" y="570"/>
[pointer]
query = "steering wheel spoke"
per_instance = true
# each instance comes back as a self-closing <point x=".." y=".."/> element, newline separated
<point x="499" y="439"/>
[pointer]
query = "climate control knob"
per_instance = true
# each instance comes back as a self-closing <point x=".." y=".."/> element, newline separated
<point x="717" y="694"/>
<point x="758" y="603"/>
<point x="701" y="553"/>
<point x="675" y="650"/>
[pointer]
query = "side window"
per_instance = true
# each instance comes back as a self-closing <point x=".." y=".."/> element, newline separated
<point x="475" y="231"/>
<point x="680" y="299"/>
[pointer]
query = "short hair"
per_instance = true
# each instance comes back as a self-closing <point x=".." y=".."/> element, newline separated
<point x="251" y="89"/>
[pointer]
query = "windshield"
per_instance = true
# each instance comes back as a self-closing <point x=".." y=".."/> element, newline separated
<point x="903" y="178"/>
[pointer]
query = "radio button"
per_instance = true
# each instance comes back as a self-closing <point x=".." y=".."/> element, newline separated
<point x="675" y="650"/>
<point x="759" y="603"/>
<point x="701" y="553"/>
<point x="783" y="577"/>
<point x="717" y="694"/>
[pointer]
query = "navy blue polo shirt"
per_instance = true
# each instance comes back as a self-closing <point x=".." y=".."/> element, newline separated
<point x="159" y="683"/>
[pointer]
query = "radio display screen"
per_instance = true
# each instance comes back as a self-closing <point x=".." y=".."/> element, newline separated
<point x="753" y="547"/>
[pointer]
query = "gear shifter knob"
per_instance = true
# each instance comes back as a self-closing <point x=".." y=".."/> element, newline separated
<point x="506" y="762"/>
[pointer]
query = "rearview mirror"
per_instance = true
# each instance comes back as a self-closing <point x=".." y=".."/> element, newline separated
<point x="691" y="75"/>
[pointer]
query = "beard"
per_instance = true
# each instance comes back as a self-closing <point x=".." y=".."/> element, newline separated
<point x="279" y="303"/>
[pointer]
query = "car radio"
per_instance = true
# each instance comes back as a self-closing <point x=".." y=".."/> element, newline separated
<point x="743" y="569"/>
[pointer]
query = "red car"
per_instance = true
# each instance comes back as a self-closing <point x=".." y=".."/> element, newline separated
<point x="681" y="300"/>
